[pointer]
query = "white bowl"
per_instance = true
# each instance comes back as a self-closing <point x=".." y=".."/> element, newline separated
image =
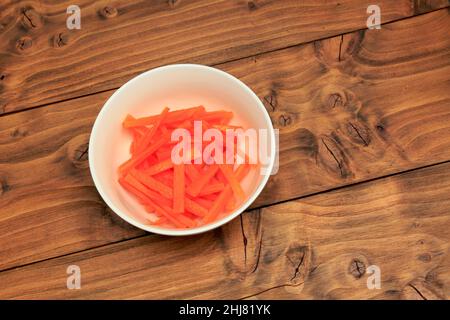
<point x="176" y="86"/>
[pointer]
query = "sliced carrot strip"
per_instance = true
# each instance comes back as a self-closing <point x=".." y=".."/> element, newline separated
<point x="153" y="184"/>
<point x="136" y="184"/>
<point x="182" y="218"/>
<point x="206" y="175"/>
<point x="143" y="143"/>
<point x="219" y="204"/>
<point x="226" y="195"/>
<point x="173" y="116"/>
<point x="195" y="208"/>
<point x="212" y="188"/>
<point x="234" y="183"/>
<point x="192" y="172"/>
<point x="134" y="161"/>
<point x="217" y="116"/>
<point x="164" y="153"/>
<point x="211" y="197"/>
<point x="204" y="202"/>
<point x="169" y="216"/>
<point x="159" y="167"/>
<point x="178" y="188"/>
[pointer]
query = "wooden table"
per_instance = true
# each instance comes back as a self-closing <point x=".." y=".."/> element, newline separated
<point x="364" y="179"/>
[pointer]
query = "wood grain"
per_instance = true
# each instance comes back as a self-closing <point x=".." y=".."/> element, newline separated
<point x="357" y="106"/>
<point x="318" y="247"/>
<point x="41" y="61"/>
<point x="340" y="122"/>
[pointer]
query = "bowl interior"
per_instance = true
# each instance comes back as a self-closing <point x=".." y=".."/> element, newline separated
<point x="176" y="86"/>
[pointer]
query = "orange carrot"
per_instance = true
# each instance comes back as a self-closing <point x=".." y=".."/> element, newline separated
<point x="234" y="183"/>
<point x="143" y="143"/>
<point x="178" y="188"/>
<point x="137" y="185"/>
<point x="182" y="218"/>
<point x="170" y="217"/>
<point x="189" y="194"/>
<point x="206" y="175"/>
<point x="134" y="161"/>
<point x="226" y="195"/>
<point x="173" y="116"/>
<point x="195" y="208"/>
<point x="204" y="202"/>
<point x="217" y="116"/>
<point x="159" y="167"/>
<point x="192" y="172"/>
<point x="219" y="204"/>
<point x="212" y="188"/>
<point x="153" y="184"/>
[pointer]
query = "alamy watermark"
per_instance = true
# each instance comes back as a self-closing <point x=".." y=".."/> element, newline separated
<point x="74" y="278"/>
<point x="74" y="20"/>
<point x="374" y="280"/>
<point x="229" y="146"/>
<point x="374" y="20"/>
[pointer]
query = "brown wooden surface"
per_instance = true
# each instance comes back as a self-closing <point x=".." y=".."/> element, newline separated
<point x="300" y="249"/>
<point x="350" y="108"/>
<point x="41" y="61"/>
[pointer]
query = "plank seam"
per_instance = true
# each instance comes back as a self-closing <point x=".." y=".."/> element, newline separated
<point x="251" y="209"/>
<point x="231" y="60"/>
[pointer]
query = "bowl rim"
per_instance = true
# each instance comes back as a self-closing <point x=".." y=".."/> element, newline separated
<point x="203" y="228"/>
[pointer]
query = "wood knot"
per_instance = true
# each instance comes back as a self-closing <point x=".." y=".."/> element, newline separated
<point x="2" y="76"/>
<point x="284" y="120"/>
<point x="426" y="257"/>
<point x="380" y="127"/>
<point x="4" y="186"/>
<point x="271" y="100"/>
<point x="60" y="40"/>
<point x="31" y="19"/>
<point x="358" y="133"/>
<point x="173" y="3"/>
<point x="335" y="100"/>
<point x="24" y="43"/>
<point x="18" y="132"/>
<point x="332" y="157"/>
<point x="81" y="153"/>
<point x="78" y="151"/>
<point x="251" y="6"/>
<point x="296" y="255"/>
<point x="357" y="268"/>
<point x="108" y="12"/>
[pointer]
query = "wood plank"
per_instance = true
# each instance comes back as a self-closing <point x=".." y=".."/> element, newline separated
<point x="41" y="61"/>
<point x="43" y="169"/>
<point x="318" y="247"/>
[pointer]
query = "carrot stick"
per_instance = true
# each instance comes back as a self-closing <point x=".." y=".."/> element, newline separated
<point x="226" y="194"/>
<point x="191" y="172"/>
<point x="159" y="167"/>
<point x="217" y="116"/>
<point x="204" y="202"/>
<point x="194" y="207"/>
<point x="205" y="176"/>
<point x="137" y="185"/>
<point x="163" y="153"/>
<point x="153" y="184"/>
<point x="232" y="180"/>
<point x="178" y="188"/>
<point x="173" y="116"/>
<point x="134" y="161"/>
<point x="143" y="143"/>
<point x="212" y="188"/>
<point x="182" y="218"/>
<point x="219" y="204"/>
<point x="170" y="217"/>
